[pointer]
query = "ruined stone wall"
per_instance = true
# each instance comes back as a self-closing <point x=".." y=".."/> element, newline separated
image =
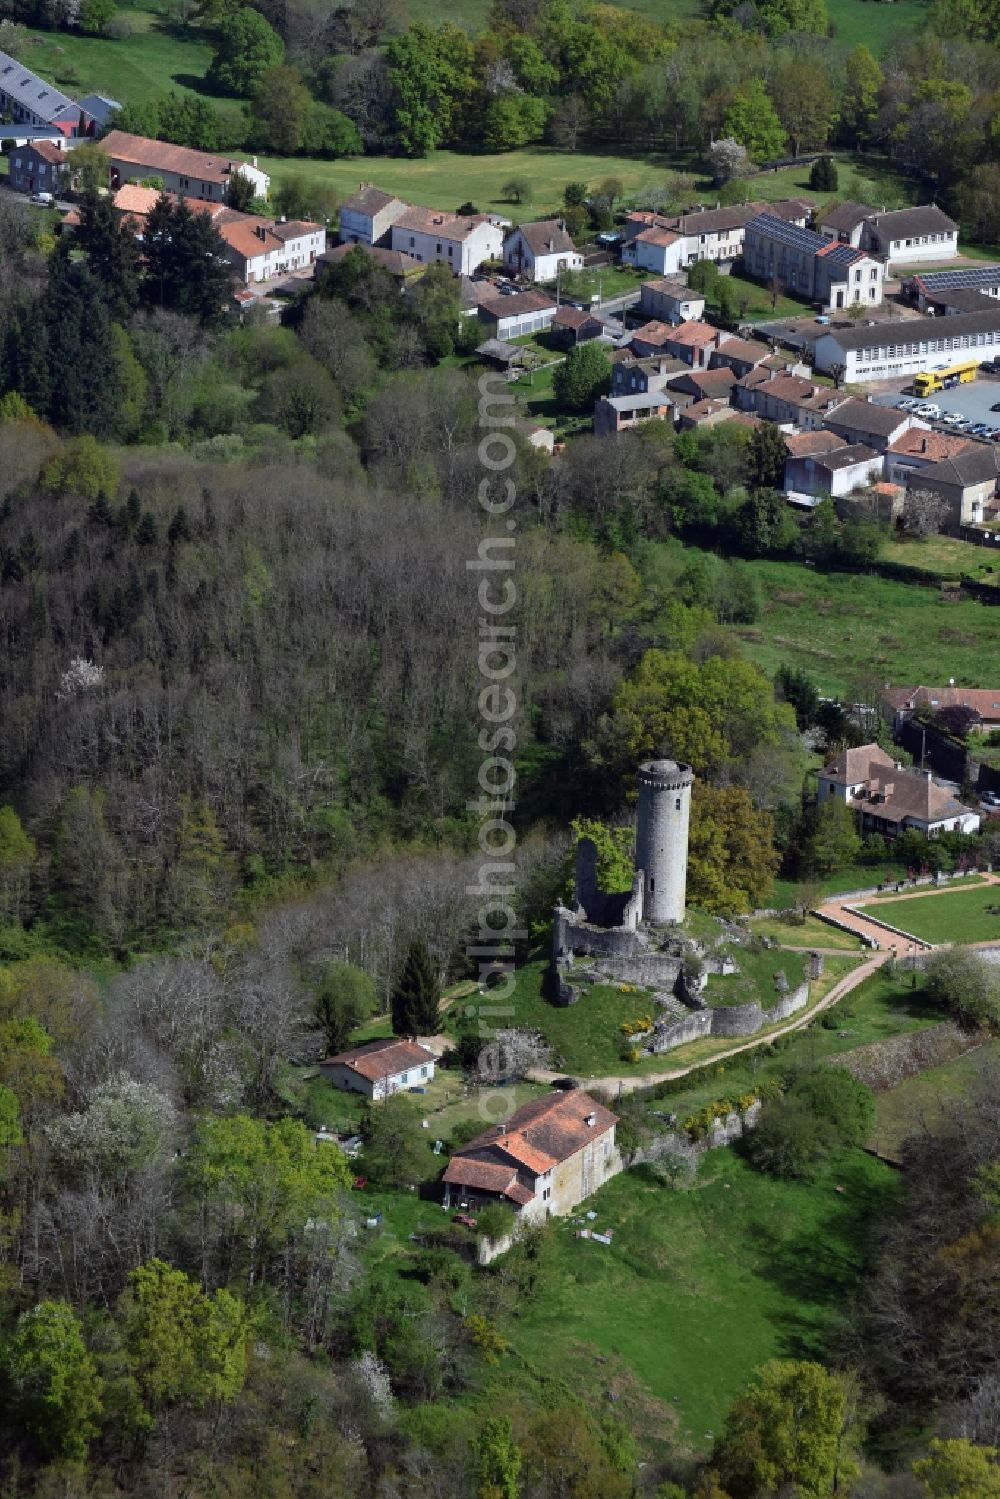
<point x="730" y="1020"/>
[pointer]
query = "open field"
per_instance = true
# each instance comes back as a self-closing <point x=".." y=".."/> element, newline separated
<point x="158" y="57"/>
<point x="700" y="1286"/>
<point x="944" y="555"/>
<point x="850" y="631"/>
<point x="947" y="916"/>
<point x="929" y="1100"/>
<point x="857" y="877"/>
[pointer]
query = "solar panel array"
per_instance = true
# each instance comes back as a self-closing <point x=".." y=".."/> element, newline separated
<point x="969" y="276"/>
<point x="788" y="234"/>
<point x="841" y="255"/>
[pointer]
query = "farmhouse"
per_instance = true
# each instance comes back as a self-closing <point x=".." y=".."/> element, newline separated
<point x="918" y="449"/>
<point x="189" y="174"/>
<point x="885" y="350"/>
<point x="260" y="248"/>
<point x="903" y="702"/>
<point x="380" y="1068"/>
<point x="550" y="1155"/>
<point x="461" y="242"/>
<point x="540" y="250"/>
<point x="890" y="800"/>
<point x="656" y="249"/>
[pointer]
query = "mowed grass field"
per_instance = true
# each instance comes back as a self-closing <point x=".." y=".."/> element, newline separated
<point x="930" y="1100"/>
<point x="700" y="1286"/>
<point x="947" y="916"/>
<point x="159" y="57"/>
<point x="851" y="630"/>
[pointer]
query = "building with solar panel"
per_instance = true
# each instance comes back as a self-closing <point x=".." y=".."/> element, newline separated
<point x="953" y="291"/>
<point x="811" y="267"/>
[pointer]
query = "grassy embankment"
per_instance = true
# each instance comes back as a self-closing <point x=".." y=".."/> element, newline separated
<point x="930" y="1100"/>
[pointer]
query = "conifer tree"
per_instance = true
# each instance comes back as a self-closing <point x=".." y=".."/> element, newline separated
<point x="416" y="995"/>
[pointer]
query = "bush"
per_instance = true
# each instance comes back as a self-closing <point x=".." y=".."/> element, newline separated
<point x="495" y="1220"/>
<point x="822" y="1111"/>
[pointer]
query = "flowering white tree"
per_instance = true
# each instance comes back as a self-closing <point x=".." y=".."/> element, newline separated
<point x="80" y="676"/>
<point x="729" y="159"/>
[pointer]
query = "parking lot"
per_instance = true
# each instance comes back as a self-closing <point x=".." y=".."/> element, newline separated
<point x="972" y="401"/>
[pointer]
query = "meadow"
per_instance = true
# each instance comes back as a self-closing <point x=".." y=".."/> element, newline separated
<point x="928" y="1101"/>
<point x="947" y="916"/>
<point x="700" y="1286"/>
<point x="808" y="933"/>
<point x="854" y="631"/>
<point x="160" y="56"/>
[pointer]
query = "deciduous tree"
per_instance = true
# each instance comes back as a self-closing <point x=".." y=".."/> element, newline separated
<point x="54" y="1384"/>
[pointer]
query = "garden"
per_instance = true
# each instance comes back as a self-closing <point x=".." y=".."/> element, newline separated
<point x="969" y="914"/>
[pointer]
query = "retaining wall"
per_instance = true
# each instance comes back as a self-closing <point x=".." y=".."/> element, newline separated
<point x="729" y="1020"/>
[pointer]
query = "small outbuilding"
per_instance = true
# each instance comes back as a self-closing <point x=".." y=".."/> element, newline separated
<point x="380" y="1068"/>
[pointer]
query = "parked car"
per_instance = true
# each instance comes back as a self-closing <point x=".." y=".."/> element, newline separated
<point x="952" y="418"/>
<point x="43" y="199"/>
<point x="995" y="406"/>
<point x="990" y="799"/>
<point x="907" y="403"/>
<point x="927" y="408"/>
<point x="979" y="429"/>
<point x="464" y="1218"/>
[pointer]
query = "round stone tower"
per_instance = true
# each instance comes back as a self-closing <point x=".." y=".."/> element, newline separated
<point x="662" y="837"/>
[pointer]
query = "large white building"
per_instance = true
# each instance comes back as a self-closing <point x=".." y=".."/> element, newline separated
<point x="905" y="236"/>
<point x="368" y="215"/>
<point x="884" y="350"/>
<point x="460" y="242"/>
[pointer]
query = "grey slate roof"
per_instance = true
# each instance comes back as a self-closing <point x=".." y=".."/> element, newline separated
<point x="839" y="458"/>
<point x="844" y="218"/>
<point x="902" y="222"/>
<point x="882" y="335"/>
<point x="867" y="416"/>
<point x="369" y="199"/>
<point x="976" y="464"/>
<point x="32" y="92"/>
<point x="546" y="237"/>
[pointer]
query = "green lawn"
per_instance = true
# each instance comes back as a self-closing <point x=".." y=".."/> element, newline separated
<point x="158" y="57"/>
<point x="852" y="631"/>
<point x="605" y="281"/>
<point x="699" y="1287"/>
<point x="444" y="179"/>
<point x="753" y="299"/>
<point x="755" y="979"/>
<point x="944" y="556"/>
<point x="808" y="933"/>
<point x="947" y="916"/>
<point x="927" y="1101"/>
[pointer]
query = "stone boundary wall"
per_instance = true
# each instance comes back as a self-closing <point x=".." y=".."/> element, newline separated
<point x="674" y="1142"/>
<point x="731" y="1020"/>
<point x="657" y="969"/>
<point x="570" y="934"/>
<point x="842" y="926"/>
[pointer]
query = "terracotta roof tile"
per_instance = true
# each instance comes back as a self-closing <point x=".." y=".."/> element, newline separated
<point x="149" y="156"/>
<point x="857" y="764"/>
<point x="378" y="1059"/>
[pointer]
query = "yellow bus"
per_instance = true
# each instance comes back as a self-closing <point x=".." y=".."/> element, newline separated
<point x="944" y="375"/>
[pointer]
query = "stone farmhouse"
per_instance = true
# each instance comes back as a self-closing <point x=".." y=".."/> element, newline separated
<point x="539" y="251"/>
<point x="890" y="799"/>
<point x="811" y="266"/>
<point x="903" y="702"/>
<point x="380" y="1068"/>
<point x="547" y="1158"/>
<point x="918" y="449"/>
<point x="188" y="174"/>
<point x="904" y="236"/>
<point x="966" y="482"/>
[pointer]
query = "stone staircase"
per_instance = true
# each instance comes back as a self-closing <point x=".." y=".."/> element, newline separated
<point x="670" y="1008"/>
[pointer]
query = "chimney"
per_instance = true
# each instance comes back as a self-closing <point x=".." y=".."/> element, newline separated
<point x="926" y="775"/>
<point x="253" y="162"/>
<point x="923" y="445"/>
<point x="590" y="1121"/>
<point x="261" y="231"/>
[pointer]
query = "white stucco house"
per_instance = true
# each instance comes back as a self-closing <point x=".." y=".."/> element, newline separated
<point x="367" y="217"/>
<point x="890" y="799"/>
<point x="380" y="1068"/>
<point x="540" y="250"/>
<point x="461" y="242"/>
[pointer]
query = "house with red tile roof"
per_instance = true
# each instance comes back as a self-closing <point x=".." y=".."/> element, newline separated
<point x="380" y="1068"/>
<point x="548" y="1157"/>
<point x="904" y="702"/>
<point x="539" y="250"/>
<point x="190" y="174"/>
